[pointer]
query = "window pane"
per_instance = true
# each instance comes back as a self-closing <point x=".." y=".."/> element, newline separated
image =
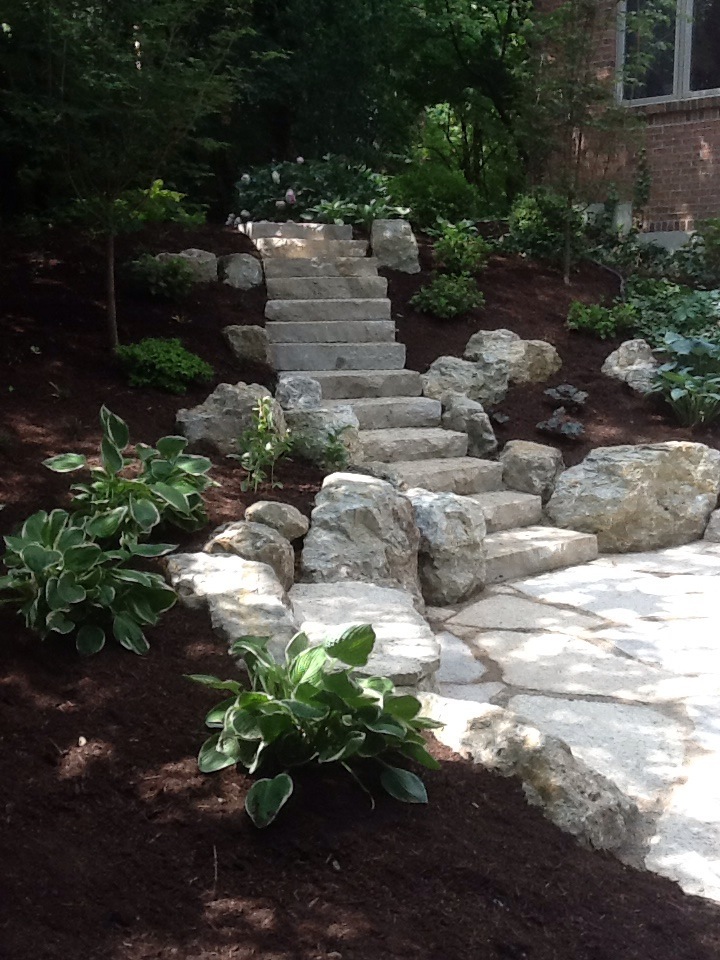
<point x="649" y="49"/>
<point x="705" y="57"/>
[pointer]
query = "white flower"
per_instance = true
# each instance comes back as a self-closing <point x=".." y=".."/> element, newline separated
<point x="280" y="204"/>
<point x="275" y="177"/>
<point x="290" y="196"/>
<point x="245" y="214"/>
<point x="300" y="160"/>
<point x="245" y="178"/>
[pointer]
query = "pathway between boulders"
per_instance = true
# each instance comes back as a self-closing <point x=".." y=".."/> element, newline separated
<point x="619" y="658"/>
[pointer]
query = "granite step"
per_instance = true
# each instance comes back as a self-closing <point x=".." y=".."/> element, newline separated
<point x="308" y="248"/>
<point x="280" y="268"/>
<point x="337" y="356"/>
<point x="462" y="475"/>
<point x="514" y="554"/>
<point x="267" y="229"/>
<point x="326" y="288"/>
<point x="304" y="311"/>
<point x="380" y="413"/>
<point x="351" y="384"/>
<point x="411" y="443"/>
<point x="332" y="331"/>
<point x="508" y="509"/>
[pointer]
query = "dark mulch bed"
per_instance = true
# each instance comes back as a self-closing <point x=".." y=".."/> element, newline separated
<point x="113" y="847"/>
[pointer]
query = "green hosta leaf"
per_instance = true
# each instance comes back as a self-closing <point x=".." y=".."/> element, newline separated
<point x="195" y="466"/>
<point x="107" y="524"/>
<point x="342" y="749"/>
<point x="144" y="452"/>
<point x="69" y="537"/>
<point x="308" y="666"/>
<point x="208" y="681"/>
<point x="65" y="462"/>
<point x="150" y="549"/>
<point x="160" y="469"/>
<point x="115" y="428"/>
<point x="379" y="685"/>
<point x="256" y="647"/>
<point x="425" y="723"/>
<point x="216" y="716"/>
<point x="273" y="726"/>
<point x="403" y="785"/>
<point x="386" y="727"/>
<point x="34" y="527"/>
<point x="354" y="646"/>
<point x="211" y="758"/>
<point x="296" y="646"/>
<point x="417" y="752"/>
<point x="57" y="622"/>
<point x="132" y="576"/>
<point x="244" y="724"/>
<point x="82" y="557"/>
<point x="90" y="639"/>
<point x="111" y="457"/>
<point x="69" y="590"/>
<point x="144" y="512"/>
<point x="266" y="798"/>
<point x="38" y="558"/>
<point x="305" y="711"/>
<point x="173" y="496"/>
<point x="56" y="524"/>
<point x="171" y="447"/>
<point x="403" y="707"/>
<point x="129" y="634"/>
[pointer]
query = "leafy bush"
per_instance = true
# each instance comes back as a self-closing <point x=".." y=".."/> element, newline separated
<point x="128" y="496"/>
<point x="459" y="248"/>
<point x="537" y="226"/>
<point x="261" y="446"/>
<point x="158" y="204"/>
<point x="432" y="190"/>
<point x="170" y="279"/>
<point x="62" y="581"/>
<point x="601" y="321"/>
<point x="689" y="380"/>
<point x="448" y="295"/>
<point x="562" y="425"/>
<point x="164" y="364"/>
<point x="660" y="305"/>
<point x="313" y="709"/>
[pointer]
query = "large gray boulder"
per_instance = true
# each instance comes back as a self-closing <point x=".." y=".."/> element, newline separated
<point x="468" y="416"/>
<point x="362" y="529"/>
<point x="256" y="541"/>
<point x="249" y="343"/>
<point x="240" y="270"/>
<point x="283" y="517"/>
<point x="312" y="429"/>
<point x="218" y="421"/>
<point x="712" y="531"/>
<point x="484" y="380"/>
<point x="394" y="245"/>
<point x="452" y="545"/>
<point x="528" y="361"/>
<point x="204" y="265"/>
<point x="640" y="497"/>
<point x="298" y="391"/>
<point x="531" y="467"/>
<point x="633" y="363"/>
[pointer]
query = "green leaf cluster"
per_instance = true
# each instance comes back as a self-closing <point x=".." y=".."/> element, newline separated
<point x="540" y="225"/>
<point x="164" y="364"/>
<point x="261" y="446"/>
<point x="63" y="581"/>
<point x="361" y="214"/>
<point x="459" y="248"/>
<point x="170" y="279"/>
<point x="313" y="709"/>
<point x="602" y="322"/>
<point x="689" y="380"/>
<point x="448" y="295"/>
<point x="128" y="496"/>
<point x="433" y="190"/>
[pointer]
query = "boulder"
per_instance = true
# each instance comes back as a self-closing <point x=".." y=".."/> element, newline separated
<point x="243" y="598"/>
<point x="240" y="270"/>
<point x="362" y="529"/>
<point x="286" y="519"/>
<point x="218" y="421"/>
<point x="528" y="361"/>
<point x="484" y="380"/>
<point x="572" y="795"/>
<point x="249" y="343"/>
<point x="531" y="467"/>
<point x="642" y="497"/>
<point x="634" y="363"/>
<point x="297" y="391"/>
<point x="712" y="531"/>
<point x="203" y="264"/>
<point x="468" y="416"/>
<point x="394" y="245"/>
<point x="255" y="541"/>
<point x="451" y="559"/>
<point x="313" y="429"/>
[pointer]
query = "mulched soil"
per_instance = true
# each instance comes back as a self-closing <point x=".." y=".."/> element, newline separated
<point x="114" y="847"/>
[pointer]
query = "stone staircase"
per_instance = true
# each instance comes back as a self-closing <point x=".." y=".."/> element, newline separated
<point x="328" y="316"/>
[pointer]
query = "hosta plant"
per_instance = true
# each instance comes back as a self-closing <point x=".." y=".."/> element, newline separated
<point x="132" y="494"/>
<point x="62" y="581"/>
<point x="313" y="709"/>
<point x="448" y="295"/>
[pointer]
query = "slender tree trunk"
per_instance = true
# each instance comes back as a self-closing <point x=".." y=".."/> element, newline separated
<point x="110" y="290"/>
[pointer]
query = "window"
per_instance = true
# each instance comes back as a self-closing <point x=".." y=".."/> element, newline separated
<point x="670" y="50"/>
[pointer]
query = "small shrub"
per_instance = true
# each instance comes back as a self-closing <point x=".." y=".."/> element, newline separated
<point x="601" y="321"/>
<point x="689" y="380"/>
<point x="261" y="446"/>
<point x="129" y="496"/>
<point x="562" y="425"/>
<point x="660" y="306"/>
<point x="170" y="279"/>
<point x="459" y="248"/>
<point x="164" y="364"/>
<point x="61" y="581"/>
<point x="448" y="295"/>
<point x="537" y="226"/>
<point x="313" y="709"/>
<point x="432" y="190"/>
<point x="158" y="204"/>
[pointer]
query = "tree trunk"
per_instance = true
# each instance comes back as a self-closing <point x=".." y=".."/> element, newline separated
<point x="110" y="290"/>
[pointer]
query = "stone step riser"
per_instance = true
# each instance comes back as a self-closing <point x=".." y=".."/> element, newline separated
<point x="266" y="229"/>
<point x="395" y="412"/>
<point x="515" y="554"/>
<point x="311" y="311"/>
<point x="330" y="356"/>
<point x="388" y="446"/>
<point x="332" y="331"/>
<point x="307" y="249"/>
<point x="509" y="510"/>
<point x="465" y="476"/>
<point x="341" y="385"/>
<point x="327" y="288"/>
<point x="280" y="268"/>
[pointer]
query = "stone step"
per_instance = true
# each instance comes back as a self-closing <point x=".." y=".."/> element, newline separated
<point x="411" y="443"/>
<point x="265" y="229"/>
<point x="309" y="248"/>
<point x="278" y="268"/>
<point x="514" y="554"/>
<point x="462" y="475"/>
<point x="337" y="356"/>
<point x="382" y="413"/>
<point x="332" y="331"/>
<point x="508" y="509"/>
<point x="288" y="311"/>
<point x="327" y="288"/>
<point x="349" y="384"/>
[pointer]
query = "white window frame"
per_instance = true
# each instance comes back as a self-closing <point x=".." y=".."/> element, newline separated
<point x="683" y="53"/>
